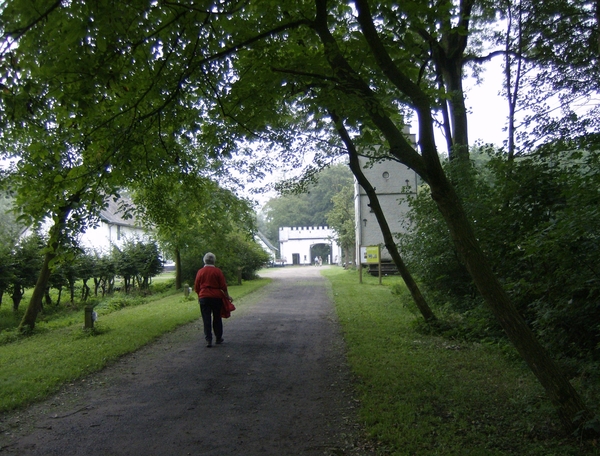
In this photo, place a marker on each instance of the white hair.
(210, 258)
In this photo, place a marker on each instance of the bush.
(162, 287)
(233, 251)
(538, 220)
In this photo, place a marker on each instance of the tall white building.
(393, 183)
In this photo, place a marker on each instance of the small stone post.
(89, 317)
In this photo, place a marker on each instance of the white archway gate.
(295, 244)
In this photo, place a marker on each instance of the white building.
(271, 250)
(114, 229)
(296, 244)
(393, 183)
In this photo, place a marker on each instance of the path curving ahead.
(279, 385)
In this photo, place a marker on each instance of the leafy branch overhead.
(96, 98)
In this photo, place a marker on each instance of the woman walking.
(211, 287)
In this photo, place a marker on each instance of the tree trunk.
(388, 237)
(72, 291)
(35, 303)
(571, 410)
(451, 70)
(85, 292)
(56, 232)
(17, 296)
(513, 89)
(178, 284)
(47, 297)
(348, 255)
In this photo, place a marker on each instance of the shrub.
(538, 220)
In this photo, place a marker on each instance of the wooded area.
(148, 95)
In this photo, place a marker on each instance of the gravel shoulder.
(279, 385)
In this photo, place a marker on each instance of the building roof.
(264, 239)
(119, 212)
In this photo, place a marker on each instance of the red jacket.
(209, 282)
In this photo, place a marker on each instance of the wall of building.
(101, 238)
(393, 183)
(296, 242)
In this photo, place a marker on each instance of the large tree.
(89, 101)
(181, 208)
(275, 71)
(364, 69)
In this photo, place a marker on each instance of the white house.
(114, 229)
(296, 244)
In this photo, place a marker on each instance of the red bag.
(227, 307)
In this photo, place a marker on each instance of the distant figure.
(211, 287)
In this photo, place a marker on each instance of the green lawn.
(418, 394)
(425, 395)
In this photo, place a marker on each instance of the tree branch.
(18, 32)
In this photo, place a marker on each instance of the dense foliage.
(341, 220)
(538, 220)
(24, 261)
(136, 262)
(95, 97)
(238, 255)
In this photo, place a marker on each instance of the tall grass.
(424, 395)
(31, 368)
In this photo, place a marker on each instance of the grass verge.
(34, 367)
(425, 395)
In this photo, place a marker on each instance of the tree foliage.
(537, 216)
(341, 219)
(238, 255)
(137, 262)
(126, 105)
(25, 263)
(551, 69)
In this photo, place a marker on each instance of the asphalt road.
(279, 385)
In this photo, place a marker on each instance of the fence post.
(89, 317)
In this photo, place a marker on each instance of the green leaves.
(537, 218)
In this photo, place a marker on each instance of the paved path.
(279, 385)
